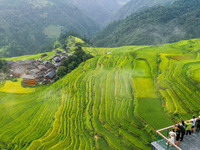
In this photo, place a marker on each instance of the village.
(34, 71)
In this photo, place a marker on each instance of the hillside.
(70, 41)
(134, 6)
(157, 25)
(112, 101)
(27, 26)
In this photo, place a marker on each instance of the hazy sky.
(122, 2)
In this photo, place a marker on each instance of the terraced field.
(112, 101)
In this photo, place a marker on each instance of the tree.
(4, 68)
(62, 71)
(72, 66)
(72, 62)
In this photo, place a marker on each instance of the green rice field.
(112, 101)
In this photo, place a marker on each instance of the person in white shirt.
(172, 136)
(193, 123)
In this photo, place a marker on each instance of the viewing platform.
(190, 142)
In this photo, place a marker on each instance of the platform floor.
(190, 142)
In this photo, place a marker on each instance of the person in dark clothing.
(183, 123)
(182, 130)
(178, 133)
(198, 124)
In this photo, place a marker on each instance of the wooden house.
(46, 62)
(56, 59)
(50, 75)
(42, 67)
(44, 55)
(29, 80)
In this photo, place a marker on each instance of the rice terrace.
(115, 100)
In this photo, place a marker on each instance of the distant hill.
(26, 26)
(157, 25)
(138, 5)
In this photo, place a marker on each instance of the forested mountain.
(26, 26)
(100, 11)
(138, 5)
(160, 24)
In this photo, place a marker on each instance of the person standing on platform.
(172, 136)
(189, 126)
(182, 129)
(178, 134)
(193, 123)
(198, 124)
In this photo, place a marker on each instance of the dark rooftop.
(42, 67)
(44, 55)
(28, 76)
(10, 62)
(50, 75)
(46, 62)
(57, 59)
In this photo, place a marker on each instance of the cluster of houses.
(35, 71)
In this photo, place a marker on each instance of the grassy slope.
(109, 102)
(37, 56)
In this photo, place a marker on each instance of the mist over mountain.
(100, 11)
(123, 2)
(157, 25)
(138, 5)
(28, 25)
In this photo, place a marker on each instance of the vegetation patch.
(53, 31)
(151, 110)
(144, 88)
(15, 87)
(141, 69)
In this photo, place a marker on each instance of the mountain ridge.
(157, 25)
(134, 6)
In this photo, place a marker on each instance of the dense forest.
(27, 26)
(157, 25)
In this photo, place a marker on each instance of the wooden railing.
(159, 132)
